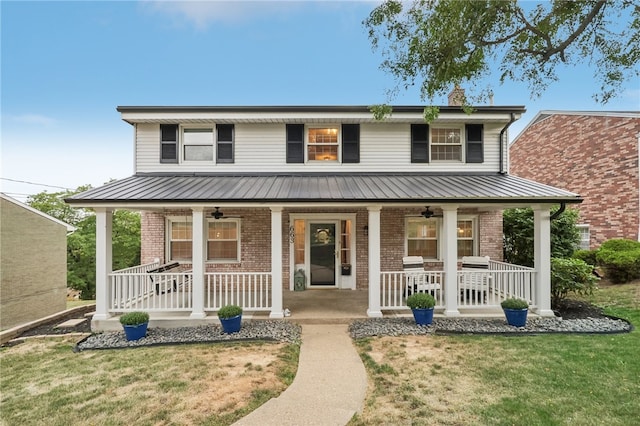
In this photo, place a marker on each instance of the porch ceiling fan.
(217, 214)
(428, 213)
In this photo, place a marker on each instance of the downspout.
(563, 207)
(502, 132)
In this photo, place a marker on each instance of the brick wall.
(256, 239)
(33, 264)
(594, 156)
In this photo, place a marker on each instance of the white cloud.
(34, 119)
(204, 13)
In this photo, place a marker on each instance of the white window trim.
(439, 229)
(238, 248)
(168, 227)
(176, 218)
(182, 144)
(338, 127)
(462, 142)
(583, 242)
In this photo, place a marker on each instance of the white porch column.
(450, 255)
(198, 260)
(542, 259)
(276, 263)
(374, 262)
(104, 263)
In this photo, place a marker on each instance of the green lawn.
(516, 380)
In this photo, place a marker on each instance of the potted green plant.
(135, 324)
(231, 318)
(515, 310)
(421, 305)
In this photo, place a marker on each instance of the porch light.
(366, 230)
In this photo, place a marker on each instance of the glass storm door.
(322, 253)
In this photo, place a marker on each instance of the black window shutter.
(224, 149)
(295, 143)
(419, 143)
(475, 148)
(350, 143)
(168, 143)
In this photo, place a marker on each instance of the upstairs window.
(446, 144)
(168, 143)
(198, 144)
(322, 144)
(224, 149)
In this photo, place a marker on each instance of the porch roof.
(147, 188)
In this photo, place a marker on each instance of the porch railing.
(476, 288)
(134, 289)
(250, 290)
(395, 286)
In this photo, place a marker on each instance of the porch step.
(321, 321)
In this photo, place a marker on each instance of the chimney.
(456, 96)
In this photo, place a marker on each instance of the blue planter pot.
(516, 317)
(231, 325)
(135, 332)
(423, 316)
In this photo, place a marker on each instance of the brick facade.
(594, 155)
(255, 237)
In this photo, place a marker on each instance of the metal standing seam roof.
(318, 187)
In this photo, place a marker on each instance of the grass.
(497, 380)
(44, 383)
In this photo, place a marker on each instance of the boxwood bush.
(620, 266)
(229, 311)
(134, 318)
(587, 256)
(421, 301)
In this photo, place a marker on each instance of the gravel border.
(407, 326)
(268, 330)
(290, 332)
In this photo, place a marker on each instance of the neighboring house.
(33, 263)
(594, 154)
(244, 197)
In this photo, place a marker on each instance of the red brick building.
(594, 154)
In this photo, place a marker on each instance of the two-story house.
(251, 201)
(593, 153)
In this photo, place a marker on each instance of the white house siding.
(384, 147)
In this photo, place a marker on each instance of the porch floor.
(313, 306)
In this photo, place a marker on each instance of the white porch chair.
(477, 279)
(417, 281)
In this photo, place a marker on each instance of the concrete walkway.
(330, 385)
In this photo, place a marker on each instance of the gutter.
(563, 207)
(502, 132)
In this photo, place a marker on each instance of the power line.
(38, 184)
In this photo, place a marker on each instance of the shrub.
(620, 245)
(518, 235)
(570, 275)
(134, 318)
(514, 303)
(587, 256)
(620, 266)
(421, 301)
(229, 311)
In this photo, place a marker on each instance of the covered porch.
(368, 216)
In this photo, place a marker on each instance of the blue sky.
(67, 65)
